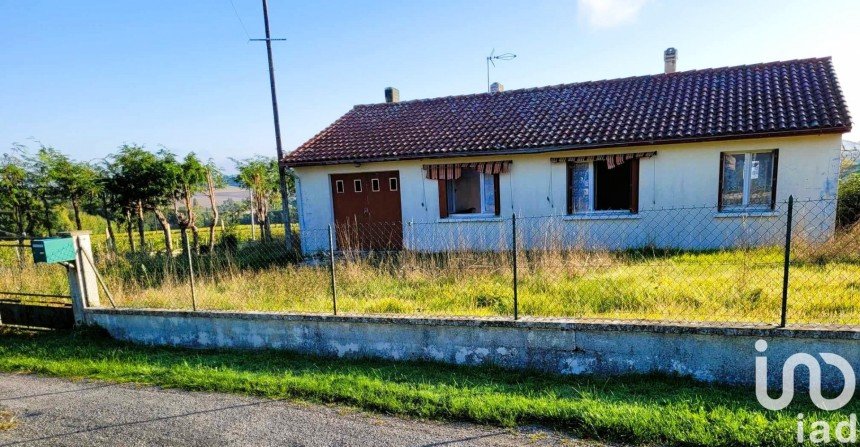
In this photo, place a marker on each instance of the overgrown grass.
(721, 286)
(737, 285)
(653, 410)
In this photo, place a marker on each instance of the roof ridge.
(598, 81)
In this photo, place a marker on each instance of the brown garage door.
(367, 211)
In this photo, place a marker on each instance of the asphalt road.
(58, 412)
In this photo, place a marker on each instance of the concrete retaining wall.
(711, 354)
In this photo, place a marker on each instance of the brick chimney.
(496, 87)
(670, 57)
(392, 94)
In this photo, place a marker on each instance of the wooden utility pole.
(282, 170)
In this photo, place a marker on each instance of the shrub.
(229, 241)
(848, 206)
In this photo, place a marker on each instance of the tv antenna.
(496, 57)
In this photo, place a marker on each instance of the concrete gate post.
(83, 283)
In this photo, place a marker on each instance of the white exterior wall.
(679, 176)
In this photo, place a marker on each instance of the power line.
(236, 11)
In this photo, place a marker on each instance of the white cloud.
(609, 13)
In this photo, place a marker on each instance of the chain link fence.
(788, 265)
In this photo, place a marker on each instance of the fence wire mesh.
(690, 265)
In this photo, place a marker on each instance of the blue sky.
(87, 76)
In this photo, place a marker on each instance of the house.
(693, 159)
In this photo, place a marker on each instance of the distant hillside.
(850, 152)
(231, 180)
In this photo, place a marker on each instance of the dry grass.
(727, 286)
(739, 285)
(7, 420)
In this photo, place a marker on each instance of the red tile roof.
(772, 99)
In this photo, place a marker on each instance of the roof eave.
(555, 148)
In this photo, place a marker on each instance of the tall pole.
(282, 170)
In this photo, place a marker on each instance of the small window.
(593, 186)
(357, 185)
(747, 180)
(473, 193)
(392, 184)
(374, 185)
(338, 186)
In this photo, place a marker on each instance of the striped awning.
(612, 160)
(452, 171)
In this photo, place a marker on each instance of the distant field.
(155, 238)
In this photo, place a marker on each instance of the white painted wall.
(679, 177)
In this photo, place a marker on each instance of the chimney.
(670, 57)
(392, 94)
(496, 87)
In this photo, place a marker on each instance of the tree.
(21, 208)
(848, 204)
(107, 206)
(214, 179)
(260, 175)
(143, 181)
(66, 179)
(190, 179)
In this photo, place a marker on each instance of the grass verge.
(652, 410)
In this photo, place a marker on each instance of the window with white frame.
(748, 180)
(473, 193)
(594, 186)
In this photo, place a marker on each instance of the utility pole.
(282, 170)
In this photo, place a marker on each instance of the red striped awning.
(452, 171)
(612, 160)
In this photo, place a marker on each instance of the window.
(374, 184)
(748, 180)
(473, 193)
(592, 186)
(357, 185)
(338, 186)
(392, 184)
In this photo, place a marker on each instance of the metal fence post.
(786, 262)
(191, 273)
(331, 269)
(514, 248)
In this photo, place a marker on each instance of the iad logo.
(845, 431)
(814, 369)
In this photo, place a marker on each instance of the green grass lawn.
(647, 410)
